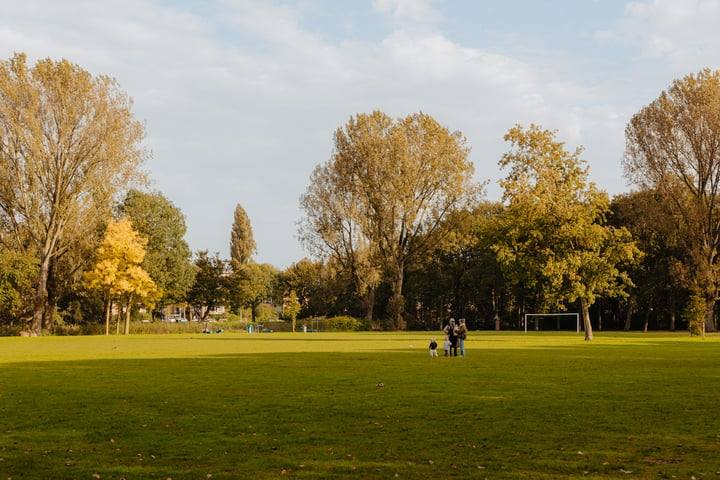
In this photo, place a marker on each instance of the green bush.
(165, 327)
(343, 323)
(80, 329)
(694, 314)
(264, 313)
(10, 330)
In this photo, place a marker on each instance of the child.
(433, 348)
(447, 345)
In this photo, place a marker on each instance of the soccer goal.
(553, 321)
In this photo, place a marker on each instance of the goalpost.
(576, 315)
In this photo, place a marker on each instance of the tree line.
(399, 233)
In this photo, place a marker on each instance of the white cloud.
(683, 33)
(401, 11)
(241, 104)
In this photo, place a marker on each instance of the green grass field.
(309, 406)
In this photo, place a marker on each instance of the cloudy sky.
(241, 97)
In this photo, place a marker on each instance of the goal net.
(552, 321)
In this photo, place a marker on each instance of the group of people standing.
(455, 335)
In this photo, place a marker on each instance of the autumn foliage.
(117, 271)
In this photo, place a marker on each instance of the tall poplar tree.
(242, 243)
(68, 145)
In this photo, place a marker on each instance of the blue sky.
(241, 97)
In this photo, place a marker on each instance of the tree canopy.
(17, 271)
(210, 288)
(253, 284)
(242, 243)
(117, 270)
(68, 145)
(306, 280)
(168, 256)
(393, 219)
(552, 238)
(381, 198)
(673, 148)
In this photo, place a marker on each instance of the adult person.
(450, 331)
(461, 332)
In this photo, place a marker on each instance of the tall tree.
(552, 235)
(242, 244)
(292, 308)
(117, 271)
(674, 143)
(394, 182)
(68, 145)
(461, 277)
(305, 279)
(210, 288)
(332, 229)
(253, 285)
(661, 277)
(168, 257)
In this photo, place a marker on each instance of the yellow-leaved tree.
(292, 307)
(69, 144)
(672, 149)
(117, 271)
(552, 239)
(381, 200)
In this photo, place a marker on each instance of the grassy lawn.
(299, 405)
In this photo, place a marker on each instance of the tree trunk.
(48, 316)
(396, 307)
(51, 297)
(40, 298)
(710, 315)
(127, 314)
(586, 319)
(672, 318)
(369, 305)
(494, 307)
(647, 319)
(628, 317)
(108, 309)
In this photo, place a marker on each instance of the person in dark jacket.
(433, 348)
(461, 333)
(450, 331)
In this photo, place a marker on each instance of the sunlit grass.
(533, 405)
